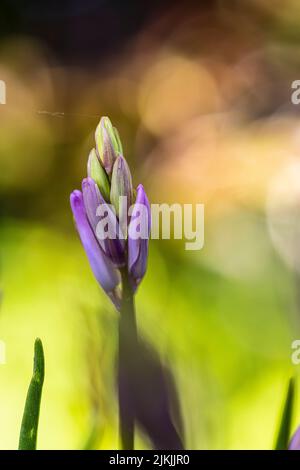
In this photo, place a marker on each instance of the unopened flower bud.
(121, 192)
(97, 172)
(104, 223)
(102, 267)
(108, 144)
(118, 141)
(138, 236)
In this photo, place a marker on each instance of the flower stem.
(128, 344)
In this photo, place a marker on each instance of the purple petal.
(103, 270)
(138, 248)
(92, 200)
(138, 269)
(113, 247)
(295, 441)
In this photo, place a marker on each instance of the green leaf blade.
(283, 436)
(30, 421)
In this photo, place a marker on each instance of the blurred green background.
(200, 93)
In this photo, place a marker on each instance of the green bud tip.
(97, 172)
(118, 140)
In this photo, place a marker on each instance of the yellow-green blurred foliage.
(203, 108)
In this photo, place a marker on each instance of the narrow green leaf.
(30, 421)
(283, 436)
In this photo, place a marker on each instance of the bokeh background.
(201, 95)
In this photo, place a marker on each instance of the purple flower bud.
(103, 269)
(295, 441)
(104, 223)
(101, 214)
(138, 236)
(121, 192)
(92, 199)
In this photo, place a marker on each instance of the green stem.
(128, 343)
(30, 421)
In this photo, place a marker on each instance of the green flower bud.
(97, 172)
(118, 140)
